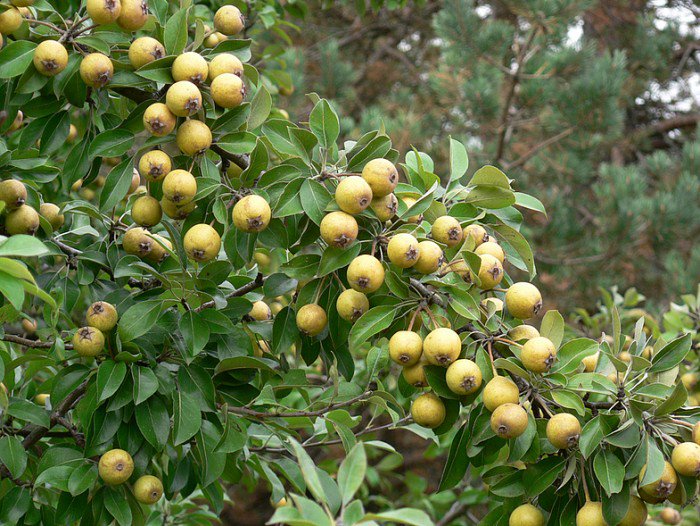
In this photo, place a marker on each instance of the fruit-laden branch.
(258, 282)
(34, 344)
(244, 411)
(428, 293)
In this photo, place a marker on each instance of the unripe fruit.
(428, 410)
(14, 193)
(146, 211)
(591, 514)
(148, 489)
(88, 341)
(175, 210)
(538, 354)
(353, 194)
(509, 421)
(102, 316)
(365, 273)
(463, 377)
(22, 220)
(591, 362)
(311, 319)
(115, 467)
(180, 187)
(190, 66)
(523, 332)
(351, 304)
(523, 300)
(251, 214)
(563, 431)
(145, 50)
(446, 230)
(385, 207)
(492, 249)
(136, 241)
(225, 63)
(10, 20)
(415, 374)
(183, 98)
(430, 257)
(526, 515)
(670, 516)
(409, 202)
(193, 137)
(133, 15)
(381, 175)
(103, 11)
(442, 346)
(202, 243)
(155, 165)
(500, 390)
(159, 120)
(636, 513)
(477, 232)
(260, 311)
(228, 90)
(229, 20)
(96, 70)
(406, 347)
(686, 459)
(339, 229)
(490, 272)
(661, 488)
(41, 398)
(158, 253)
(50, 58)
(403, 250)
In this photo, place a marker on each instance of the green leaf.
(335, 258)
(543, 474)
(570, 400)
(527, 201)
(516, 240)
(12, 289)
(175, 33)
(110, 376)
(28, 412)
(410, 516)
(553, 327)
(15, 58)
(591, 435)
(117, 184)
(82, 478)
(260, 108)
(489, 176)
(352, 471)
(675, 401)
(187, 418)
(13, 455)
(153, 421)
(609, 470)
(370, 323)
(145, 384)
(459, 160)
(195, 331)
(315, 197)
(22, 246)
(457, 461)
(111, 143)
(115, 500)
(671, 354)
(324, 123)
(139, 318)
(655, 463)
(308, 470)
(572, 352)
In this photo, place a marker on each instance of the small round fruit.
(311, 319)
(381, 175)
(523, 332)
(661, 488)
(430, 257)
(351, 304)
(696, 433)
(446, 230)
(403, 250)
(492, 249)
(339, 229)
(686, 459)
(365, 273)
(409, 202)
(29, 326)
(133, 15)
(229, 20)
(252, 214)
(148, 489)
(509, 421)
(10, 20)
(442, 346)
(190, 66)
(490, 272)
(159, 120)
(353, 194)
(591, 514)
(155, 165)
(260, 311)
(145, 50)
(463, 377)
(135, 182)
(41, 398)
(177, 211)
(202, 243)
(13, 193)
(636, 513)
(406, 347)
(180, 187)
(158, 252)
(103, 11)
(50, 58)
(670, 516)
(690, 380)
(526, 515)
(590, 362)
(96, 70)
(183, 98)
(22, 220)
(88, 341)
(225, 63)
(193, 137)
(385, 207)
(500, 390)
(72, 134)
(428, 410)
(478, 234)
(115, 467)
(563, 431)
(146, 211)
(136, 241)
(228, 90)
(214, 40)
(415, 375)
(102, 316)
(523, 300)
(538, 354)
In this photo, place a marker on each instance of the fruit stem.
(489, 347)
(413, 318)
(319, 290)
(432, 318)
(585, 483)
(506, 340)
(340, 282)
(681, 423)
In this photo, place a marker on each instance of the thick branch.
(34, 344)
(242, 161)
(241, 291)
(428, 293)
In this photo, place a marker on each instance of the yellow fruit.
(17, 123)
(500, 390)
(339, 229)
(148, 489)
(177, 211)
(202, 243)
(50, 58)
(251, 214)
(29, 326)
(155, 165)
(102, 316)
(636, 513)
(625, 356)
(225, 63)
(22, 220)
(526, 515)
(661, 488)
(365, 273)
(133, 15)
(214, 40)
(353, 194)
(385, 207)
(229, 20)
(430, 257)
(145, 50)
(491, 305)
(88, 341)
(686, 459)
(405, 347)
(670, 516)
(13, 193)
(158, 252)
(159, 120)
(103, 11)
(509, 421)
(591, 362)
(228, 90)
(415, 375)
(409, 202)
(490, 272)
(190, 66)
(41, 398)
(381, 175)
(463, 377)
(10, 20)
(311, 319)
(538, 354)
(193, 137)
(446, 230)
(478, 234)
(696, 433)
(523, 300)
(135, 182)
(183, 98)
(403, 250)
(492, 249)
(72, 134)
(690, 380)
(351, 304)
(523, 332)
(96, 70)
(260, 311)
(180, 187)
(146, 211)
(563, 431)
(115, 467)
(137, 241)
(591, 514)
(428, 410)
(442, 346)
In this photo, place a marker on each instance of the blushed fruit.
(477, 233)
(22, 220)
(260, 311)
(385, 207)
(636, 513)
(446, 229)
(442, 346)
(50, 58)
(430, 257)
(403, 250)
(563, 431)
(175, 210)
(183, 98)
(509, 421)
(225, 63)
(381, 175)
(102, 316)
(311, 319)
(670, 516)
(365, 273)
(14, 193)
(146, 211)
(190, 66)
(406, 347)
(96, 70)
(180, 187)
(159, 120)
(415, 374)
(686, 459)
(88, 341)
(252, 214)
(538, 354)
(133, 15)
(523, 300)
(661, 488)
(428, 410)
(193, 137)
(351, 304)
(339, 229)
(591, 514)
(591, 362)
(353, 194)
(10, 20)
(137, 242)
(523, 332)
(463, 377)
(202, 243)
(145, 50)
(115, 467)
(229, 20)
(409, 202)
(526, 515)
(490, 272)
(500, 390)
(103, 11)
(158, 251)
(228, 90)
(148, 489)
(492, 249)
(155, 165)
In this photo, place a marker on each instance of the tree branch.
(428, 293)
(258, 282)
(244, 411)
(241, 161)
(34, 344)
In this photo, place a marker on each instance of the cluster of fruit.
(116, 467)
(101, 318)
(19, 217)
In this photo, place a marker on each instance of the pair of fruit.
(182, 99)
(116, 467)
(441, 346)
(128, 14)
(138, 241)
(101, 317)
(591, 513)
(22, 218)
